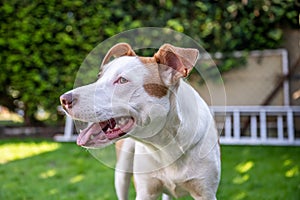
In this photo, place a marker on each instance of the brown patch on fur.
(194, 188)
(156, 90)
(119, 145)
(153, 84)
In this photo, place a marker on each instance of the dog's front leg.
(147, 188)
(122, 183)
(124, 168)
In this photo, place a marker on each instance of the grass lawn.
(38, 169)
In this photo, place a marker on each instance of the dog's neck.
(174, 140)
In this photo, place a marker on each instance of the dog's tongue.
(86, 134)
(104, 132)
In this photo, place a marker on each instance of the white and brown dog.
(166, 134)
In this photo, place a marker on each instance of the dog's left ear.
(120, 49)
(175, 62)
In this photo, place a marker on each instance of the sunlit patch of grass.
(77, 178)
(16, 151)
(240, 195)
(244, 167)
(294, 171)
(240, 179)
(47, 174)
(70, 172)
(287, 162)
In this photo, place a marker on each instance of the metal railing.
(255, 125)
(258, 125)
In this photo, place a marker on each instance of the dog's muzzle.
(98, 134)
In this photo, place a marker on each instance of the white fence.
(258, 125)
(255, 125)
(68, 135)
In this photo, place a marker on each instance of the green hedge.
(44, 42)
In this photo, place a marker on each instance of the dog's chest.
(173, 181)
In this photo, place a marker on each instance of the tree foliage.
(44, 42)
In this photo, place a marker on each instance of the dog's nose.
(67, 100)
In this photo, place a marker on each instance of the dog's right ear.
(120, 49)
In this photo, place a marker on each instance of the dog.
(164, 132)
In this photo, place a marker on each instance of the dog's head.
(131, 96)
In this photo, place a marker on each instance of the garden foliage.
(44, 42)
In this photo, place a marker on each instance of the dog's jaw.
(103, 133)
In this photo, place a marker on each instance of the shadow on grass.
(65, 171)
(39, 169)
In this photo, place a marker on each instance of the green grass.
(37, 169)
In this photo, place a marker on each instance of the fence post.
(228, 127)
(253, 130)
(263, 125)
(236, 125)
(290, 126)
(68, 135)
(280, 127)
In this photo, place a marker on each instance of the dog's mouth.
(100, 133)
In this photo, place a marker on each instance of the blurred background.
(255, 44)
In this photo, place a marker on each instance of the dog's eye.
(121, 80)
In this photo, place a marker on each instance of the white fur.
(173, 147)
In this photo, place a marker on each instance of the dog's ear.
(120, 49)
(175, 62)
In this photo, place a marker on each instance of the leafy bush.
(43, 43)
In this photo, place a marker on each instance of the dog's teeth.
(92, 137)
(121, 121)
